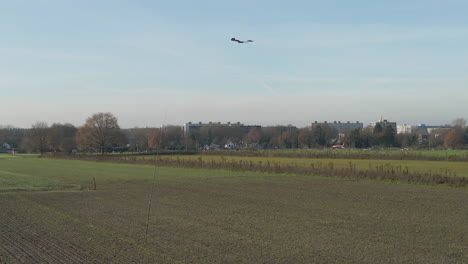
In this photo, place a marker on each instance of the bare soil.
(249, 218)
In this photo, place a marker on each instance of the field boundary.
(426, 155)
(340, 154)
(383, 172)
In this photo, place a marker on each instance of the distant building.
(423, 131)
(338, 147)
(404, 129)
(339, 126)
(419, 129)
(431, 129)
(384, 124)
(5, 148)
(212, 147)
(188, 127)
(230, 145)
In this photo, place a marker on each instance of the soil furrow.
(50, 249)
(19, 251)
(95, 249)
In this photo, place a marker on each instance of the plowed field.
(219, 216)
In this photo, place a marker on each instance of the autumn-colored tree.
(454, 138)
(253, 137)
(436, 137)
(156, 138)
(100, 131)
(168, 137)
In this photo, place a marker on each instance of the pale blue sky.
(155, 62)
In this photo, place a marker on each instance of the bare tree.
(169, 137)
(323, 134)
(288, 139)
(305, 137)
(100, 131)
(454, 138)
(174, 136)
(36, 139)
(406, 139)
(459, 122)
(68, 144)
(436, 137)
(388, 136)
(253, 137)
(354, 138)
(138, 138)
(157, 138)
(273, 136)
(62, 137)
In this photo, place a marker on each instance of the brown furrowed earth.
(220, 216)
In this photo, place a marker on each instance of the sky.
(154, 63)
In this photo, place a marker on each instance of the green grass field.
(50, 214)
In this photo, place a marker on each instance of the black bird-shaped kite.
(241, 41)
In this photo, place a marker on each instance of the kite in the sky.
(241, 41)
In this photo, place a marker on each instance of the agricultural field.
(378, 154)
(383, 154)
(50, 213)
(389, 152)
(421, 166)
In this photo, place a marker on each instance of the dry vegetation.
(365, 154)
(347, 168)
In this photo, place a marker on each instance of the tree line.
(102, 133)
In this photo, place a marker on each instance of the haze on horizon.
(155, 62)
